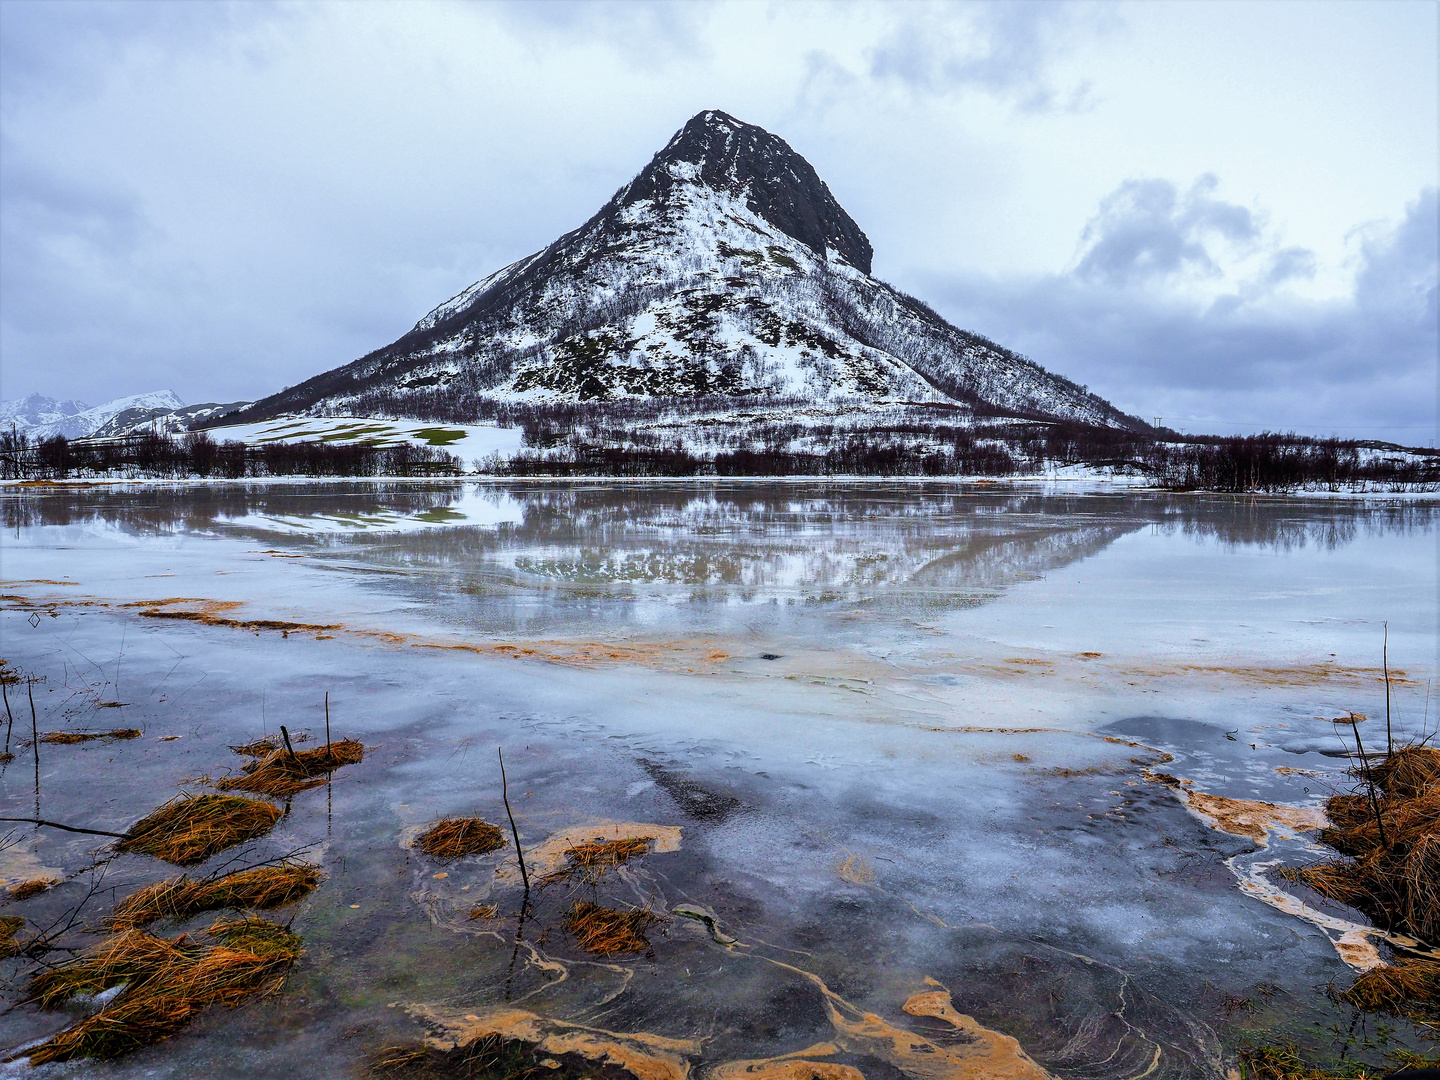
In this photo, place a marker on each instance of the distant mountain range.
(726, 267)
(40, 417)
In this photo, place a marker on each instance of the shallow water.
(903, 730)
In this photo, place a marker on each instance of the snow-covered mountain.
(164, 421)
(42, 417)
(725, 267)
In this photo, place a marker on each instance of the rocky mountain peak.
(718, 151)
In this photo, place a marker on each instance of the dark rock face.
(776, 183)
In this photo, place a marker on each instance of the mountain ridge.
(725, 267)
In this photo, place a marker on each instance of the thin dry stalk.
(453, 838)
(608, 932)
(189, 829)
(284, 772)
(180, 898)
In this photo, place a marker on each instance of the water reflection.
(473, 546)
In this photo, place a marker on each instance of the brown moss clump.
(189, 829)
(24, 890)
(9, 926)
(70, 737)
(281, 773)
(589, 861)
(606, 931)
(179, 898)
(167, 983)
(452, 838)
(492, 1057)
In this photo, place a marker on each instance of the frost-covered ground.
(903, 729)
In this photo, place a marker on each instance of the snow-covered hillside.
(726, 267)
(41, 417)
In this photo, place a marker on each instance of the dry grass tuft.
(167, 983)
(492, 1057)
(606, 931)
(1398, 988)
(24, 890)
(9, 926)
(69, 737)
(258, 748)
(189, 829)
(179, 898)
(452, 838)
(590, 860)
(281, 773)
(485, 911)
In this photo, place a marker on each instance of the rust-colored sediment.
(1251, 818)
(793, 1066)
(648, 1057)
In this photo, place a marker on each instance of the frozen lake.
(904, 736)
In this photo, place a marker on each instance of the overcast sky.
(1221, 214)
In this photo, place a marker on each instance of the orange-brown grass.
(167, 983)
(179, 898)
(1397, 882)
(189, 829)
(1404, 988)
(452, 838)
(9, 926)
(590, 860)
(485, 911)
(69, 737)
(258, 748)
(606, 931)
(24, 890)
(281, 773)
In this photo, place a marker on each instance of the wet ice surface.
(878, 714)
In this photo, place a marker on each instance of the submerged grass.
(589, 861)
(10, 925)
(489, 1058)
(282, 773)
(452, 838)
(189, 829)
(1283, 1062)
(69, 737)
(180, 898)
(606, 931)
(24, 890)
(167, 983)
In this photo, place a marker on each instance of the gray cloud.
(1362, 364)
(1005, 49)
(1147, 229)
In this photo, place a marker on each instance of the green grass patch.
(436, 436)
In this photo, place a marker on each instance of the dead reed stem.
(505, 794)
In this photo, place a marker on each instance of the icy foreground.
(726, 267)
(881, 734)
